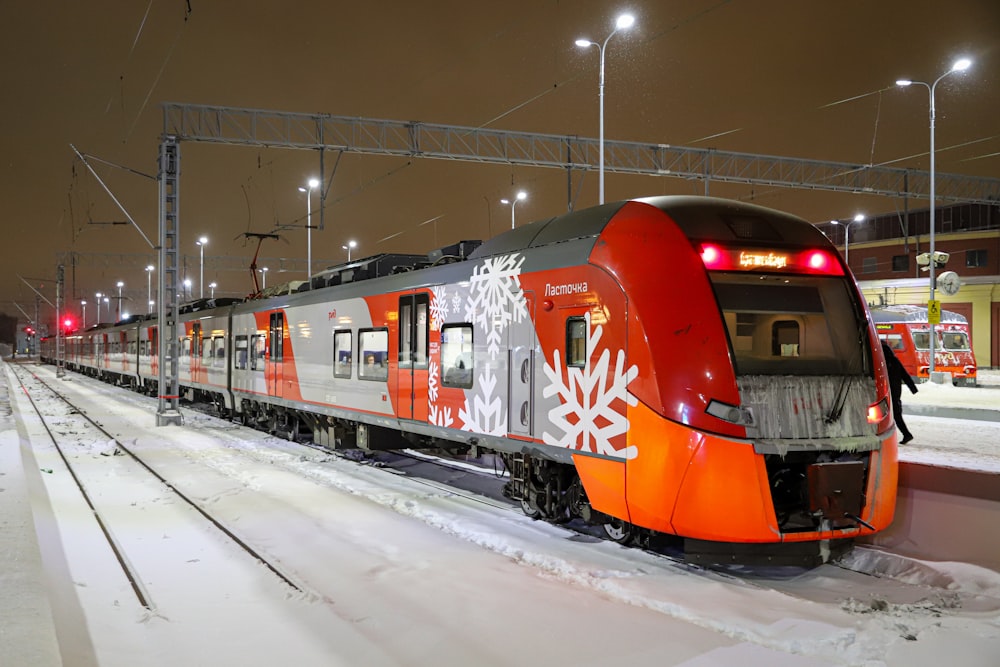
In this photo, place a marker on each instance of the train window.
(373, 354)
(921, 340)
(219, 351)
(342, 347)
(258, 347)
(240, 360)
(894, 341)
(456, 356)
(780, 324)
(955, 340)
(576, 342)
(785, 338)
(206, 352)
(186, 347)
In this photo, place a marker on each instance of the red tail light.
(878, 411)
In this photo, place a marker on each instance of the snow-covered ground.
(396, 571)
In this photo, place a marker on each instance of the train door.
(411, 392)
(521, 369)
(273, 370)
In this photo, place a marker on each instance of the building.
(883, 250)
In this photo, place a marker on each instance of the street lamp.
(212, 286)
(118, 310)
(521, 196)
(107, 303)
(263, 273)
(313, 184)
(351, 245)
(187, 289)
(960, 65)
(847, 235)
(202, 242)
(83, 305)
(98, 297)
(624, 22)
(149, 287)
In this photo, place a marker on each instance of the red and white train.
(906, 330)
(673, 365)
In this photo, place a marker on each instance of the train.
(906, 330)
(689, 368)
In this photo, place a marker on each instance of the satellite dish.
(949, 282)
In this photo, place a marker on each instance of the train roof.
(908, 313)
(698, 217)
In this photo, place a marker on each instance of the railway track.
(69, 428)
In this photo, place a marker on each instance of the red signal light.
(821, 261)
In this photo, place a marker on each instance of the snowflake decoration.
(496, 298)
(587, 413)
(440, 417)
(486, 413)
(433, 375)
(439, 306)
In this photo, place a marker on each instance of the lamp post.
(313, 184)
(202, 242)
(212, 287)
(118, 310)
(98, 297)
(149, 288)
(263, 273)
(351, 245)
(624, 22)
(187, 289)
(847, 235)
(521, 196)
(960, 65)
(83, 306)
(107, 303)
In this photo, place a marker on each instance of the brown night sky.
(745, 75)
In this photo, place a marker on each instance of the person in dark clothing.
(897, 376)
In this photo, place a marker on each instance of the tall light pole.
(98, 297)
(624, 22)
(149, 288)
(521, 196)
(960, 65)
(118, 310)
(313, 184)
(212, 287)
(107, 303)
(202, 242)
(847, 235)
(263, 273)
(187, 289)
(351, 245)
(83, 306)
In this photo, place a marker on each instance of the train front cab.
(763, 417)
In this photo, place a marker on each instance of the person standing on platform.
(897, 376)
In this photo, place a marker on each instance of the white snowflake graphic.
(456, 302)
(439, 306)
(440, 417)
(496, 298)
(486, 414)
(587, 414)
(433, 376)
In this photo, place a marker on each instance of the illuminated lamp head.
(712, 256)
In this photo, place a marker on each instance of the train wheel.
(530, 509)
(620, 531)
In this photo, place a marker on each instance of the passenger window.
(342, 347)
(785, 338)
(456, 356)
(576, 342)
(240, 360)
(373, 353)
(258, 345)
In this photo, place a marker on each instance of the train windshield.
(794, 325)
(948, 340)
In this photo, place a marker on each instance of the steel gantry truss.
(277, 129)
(227, 125)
